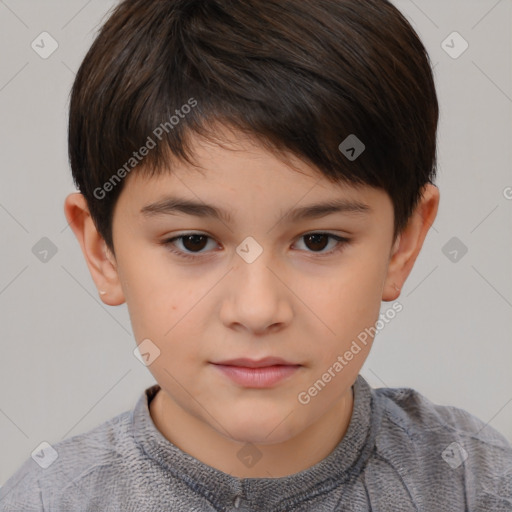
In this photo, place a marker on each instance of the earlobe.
(100, 262)
(409, 243)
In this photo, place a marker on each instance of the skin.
(292, 302)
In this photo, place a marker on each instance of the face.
(256, 279)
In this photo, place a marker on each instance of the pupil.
(315, 238)
(194, 238)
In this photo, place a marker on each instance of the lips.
(261, 373)
(260, 363)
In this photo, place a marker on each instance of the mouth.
(262, 373)
(257, 363)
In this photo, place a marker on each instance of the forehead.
(236, 172)
(230, 158)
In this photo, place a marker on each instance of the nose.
(255, 296)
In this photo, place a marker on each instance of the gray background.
(66, 360)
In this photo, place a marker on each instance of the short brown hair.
(298, 75)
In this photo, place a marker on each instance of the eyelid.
(169, 244)
(342, 241)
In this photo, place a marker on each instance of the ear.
(101, 262)
(408, 244)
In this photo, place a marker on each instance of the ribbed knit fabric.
(400, 453)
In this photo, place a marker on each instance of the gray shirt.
(401, 452)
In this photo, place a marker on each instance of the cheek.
(350, 302)
(154, 316)
(168, 310)
(154, 295)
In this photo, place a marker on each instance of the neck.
(296, 454)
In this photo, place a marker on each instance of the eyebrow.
(176, 205)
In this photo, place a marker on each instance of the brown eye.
(192, 245)
(189, 245)
(317, 241)
(194, 242)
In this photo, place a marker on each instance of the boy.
(312, 127)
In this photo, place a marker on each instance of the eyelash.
(342, 242)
